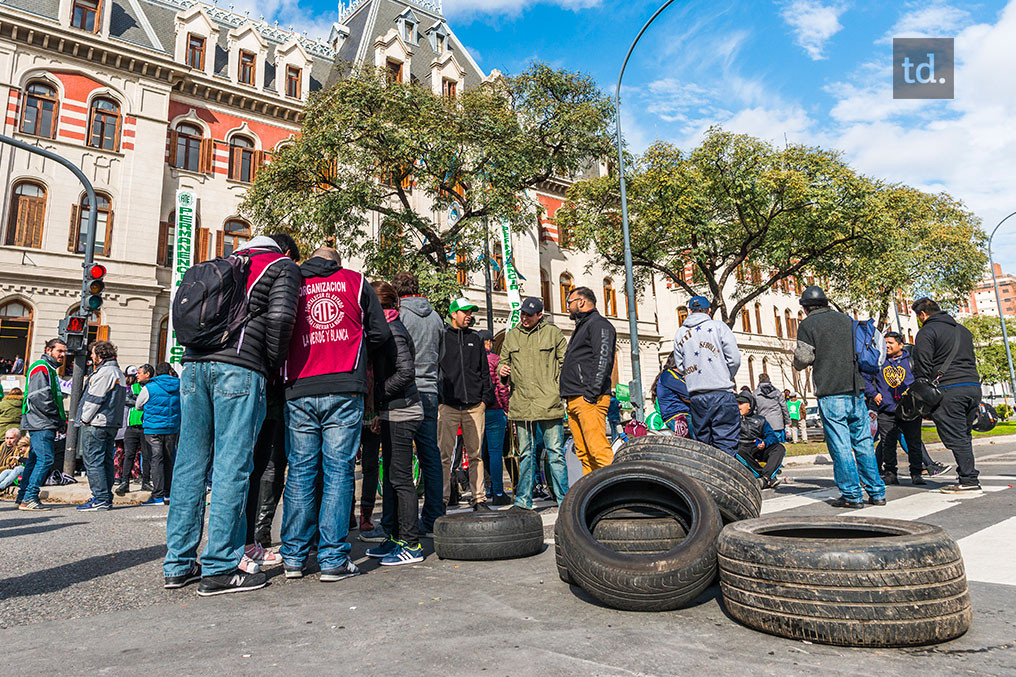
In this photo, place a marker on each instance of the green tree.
(369, 149)
(989, 348)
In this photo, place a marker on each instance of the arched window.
(745, 321)
(765, 365)
(103, 225)
(497, 265)
(104, 125)
(779, 325)
(188, 149)
(545, 289)
(243, 159)
(758, 318)
(234, 235)
(28, 213)
(15, 330)
(566, 285)
(40, 111)
(609, 298)
(160, 350)
(791, 325)
(751, 372)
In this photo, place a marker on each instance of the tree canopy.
(370, 148)
(992, 364)
(736, 216)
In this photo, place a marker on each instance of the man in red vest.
(339, 321)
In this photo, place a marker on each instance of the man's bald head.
(327, 253)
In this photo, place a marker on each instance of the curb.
(824, 459)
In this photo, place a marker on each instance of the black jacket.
(395, 371)
(265, 338)
(464, 380)
(825, 342)
(931, 349)
(589, 360)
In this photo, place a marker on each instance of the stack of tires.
(641, 534)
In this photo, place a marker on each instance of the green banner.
(511, 277)
(183, 254)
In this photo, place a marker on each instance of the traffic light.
(73, 330)
(93, 297)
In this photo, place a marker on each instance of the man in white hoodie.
(706, 353)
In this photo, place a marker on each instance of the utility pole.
(75, 340)
(1001, 315)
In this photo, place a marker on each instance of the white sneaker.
(262, 557)
(248, 566)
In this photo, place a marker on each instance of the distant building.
(982, 298)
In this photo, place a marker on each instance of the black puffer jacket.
(395, 371)
(265, 339)
(932, 346)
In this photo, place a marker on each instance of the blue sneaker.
(94, 505)
(403, 555)
(346, 570)
(389, 546)
(155, 501)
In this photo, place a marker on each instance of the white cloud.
(929, 19)
(813, 23)
(511, 7)
(301, 17)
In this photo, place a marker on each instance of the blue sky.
(808, 71)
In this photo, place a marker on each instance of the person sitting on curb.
(759, 442)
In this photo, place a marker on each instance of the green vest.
(795, 409)
(135, 416)
(54, 387)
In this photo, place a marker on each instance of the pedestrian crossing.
(987, 554)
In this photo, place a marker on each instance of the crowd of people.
(12, 366)
(328, 367)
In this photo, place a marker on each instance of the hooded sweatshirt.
(427, 331)
(707, 354)
(892, 380)
(771, 405)
(931, 349)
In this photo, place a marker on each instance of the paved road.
(82, 593)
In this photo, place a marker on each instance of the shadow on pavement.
(65, 575)
(36, 529)
(8, 524)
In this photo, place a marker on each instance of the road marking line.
(916, 506)
(987, 554)
(797, 500)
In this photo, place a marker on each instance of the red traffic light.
(95, 271)
(76, 324)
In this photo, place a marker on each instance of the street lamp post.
(998, 301)
(635, 389)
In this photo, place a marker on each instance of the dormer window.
(85, 15)
(394, 71)
(294, 77)
(410, 32)
(246, 73)
(440, 44)
(196, 51)
(448, 89)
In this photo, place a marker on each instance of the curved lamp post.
(998, 301)
(635, 389)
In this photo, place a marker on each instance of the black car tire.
(639, 582)
(863, 582)
(495, 534)
(735, 489)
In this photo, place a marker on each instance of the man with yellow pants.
(585, 379)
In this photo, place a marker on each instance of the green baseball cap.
(462, 303)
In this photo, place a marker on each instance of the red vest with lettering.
(328, 331)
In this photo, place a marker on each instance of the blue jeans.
(716, 419)
(40, 461)
(7, 477)
(552, 432)
(222, 407)
(97, 447)
(493, 431)
(848, 438)
(323, 434)
(429, 456)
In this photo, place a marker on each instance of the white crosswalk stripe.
(781, 503)
(987, 554)
(916, 506)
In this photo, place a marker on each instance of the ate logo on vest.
(324, 312)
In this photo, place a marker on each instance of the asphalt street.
(82, 593)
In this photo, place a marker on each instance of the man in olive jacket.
(531, 357)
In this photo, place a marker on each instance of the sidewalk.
(823, 459)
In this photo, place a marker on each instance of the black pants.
(273, 481)
(954, 419)
(370, 455)
(771, 455)
(271, 436)
(134, 440)
(890, 427)
(163, 451)
(399, 505)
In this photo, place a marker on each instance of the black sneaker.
(237, 581)
(843, 502)
(890, 478)
(292, 570)
(482, 507)
(346, 570)
(961, 489)
(183, 579)
(936, 469)
(876, 501)
(122, 489)
(500, 499)
(147, 486)
(917, 480)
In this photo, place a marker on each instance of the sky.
(816, 72)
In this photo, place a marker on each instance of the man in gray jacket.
(42, 415)
(706, 353)
(427, 331)
(100, 415)
(771, 405)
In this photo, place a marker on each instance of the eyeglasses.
(574, 299)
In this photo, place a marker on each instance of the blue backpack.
(869, 347)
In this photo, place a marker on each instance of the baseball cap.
(131, 371)
(532, 306)
(462, 303)
(698, 303)
(485, 335)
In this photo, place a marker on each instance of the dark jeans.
(273, 479)
(98, 445)
(271, 436)
(163, 449)
(954, 419)
(40, 460)
(890, 428)
(716, 419)
(398, 494)
(370, 455)
(135, 440)
(771, 455)
(429, 456)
